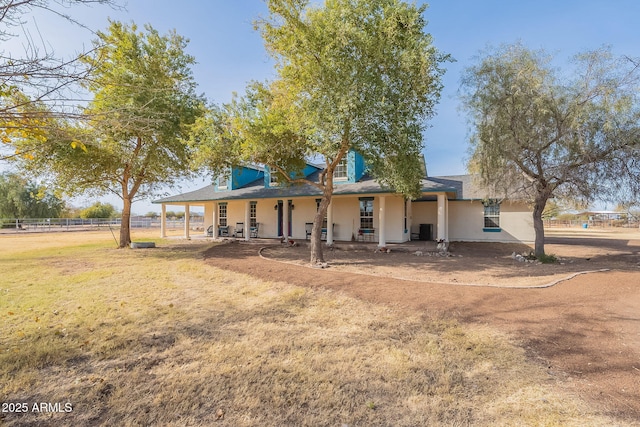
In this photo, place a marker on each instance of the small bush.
(548, 259)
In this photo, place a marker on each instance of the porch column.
(187, 220)
(442, 218)
(163, 221)
(409, 217)
(382, 238)
(214, 221)
(285, 219)
(330, 224)
(247, 218)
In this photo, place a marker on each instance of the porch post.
(214, 221)
(442, 217)
(187, 214)
(382, 238)
(285, 220)
(247, 218)
(163, 221)
(409, 216)
(330, 224)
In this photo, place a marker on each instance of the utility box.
(426, 232)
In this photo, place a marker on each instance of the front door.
(281, 217)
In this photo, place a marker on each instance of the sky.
(230, 53)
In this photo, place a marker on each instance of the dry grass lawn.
(157, 337)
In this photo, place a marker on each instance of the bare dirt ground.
(585, 330)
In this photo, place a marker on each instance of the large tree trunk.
(125, 229)
(538, 225)
(317, 255)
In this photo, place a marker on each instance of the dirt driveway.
(585, 330)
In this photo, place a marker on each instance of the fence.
(598, 223)
(14, 225)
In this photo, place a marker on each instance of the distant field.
(157, 337)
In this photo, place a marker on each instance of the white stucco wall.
(466, 222)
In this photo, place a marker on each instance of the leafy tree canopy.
(99, 210)
(352, 74)
(20, 198)
(134, 139)
(542, 135)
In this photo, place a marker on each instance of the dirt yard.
(585, 328)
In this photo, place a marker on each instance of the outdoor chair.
(223, 231)
(323, 234)
(253, 231)
(366, 234)
(239, 231)
(308, 226)
(210, 231)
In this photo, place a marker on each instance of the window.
(222, 214)
(492, 215)
(366, 212)
(222, 183)
(273, 177)
(252, 214)
(340, 173)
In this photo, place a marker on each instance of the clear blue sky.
(230, 53)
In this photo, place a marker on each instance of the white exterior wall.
(466, 222)
(424, 213)
(465, 218)
(394, 220)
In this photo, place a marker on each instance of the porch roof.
(257, 190)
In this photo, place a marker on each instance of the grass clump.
(160, 337)
(548, 259)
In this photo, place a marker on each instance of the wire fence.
(44, 225)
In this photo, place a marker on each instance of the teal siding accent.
(359, 166)
(241, 176)
(492, 230)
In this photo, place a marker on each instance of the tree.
(142, 108)
(359, 75)
(32, 82)
(20, 198)
(98, 210)
(539, 136)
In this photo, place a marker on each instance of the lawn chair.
(308, 226)
(223, 230)
(253, 231)
(239, 232)
(210, 231)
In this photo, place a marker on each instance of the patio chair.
(308, 226)
(323, 234)
(253, 231)
(239, 231)
(210, 231)
(223, 230)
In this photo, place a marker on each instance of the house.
(250, 202)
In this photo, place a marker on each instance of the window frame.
(366, 215)
(491, 216)
(341, 172)
(222, 214)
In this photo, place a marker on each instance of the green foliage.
(359, 75)
(545, 137)
(547, 258)
(99, 210)
(143, 106)
(20, 198)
